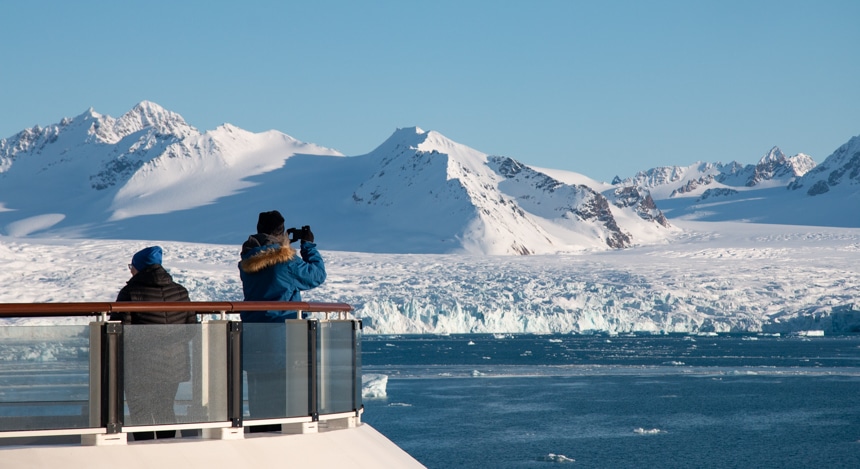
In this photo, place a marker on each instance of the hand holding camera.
(304, 234)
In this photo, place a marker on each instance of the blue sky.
(602, 88)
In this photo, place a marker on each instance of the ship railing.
(66, 377)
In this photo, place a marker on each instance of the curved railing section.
(219, 378)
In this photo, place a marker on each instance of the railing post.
(112, 378)
(313, 369)
(234, 373)
(356, 364)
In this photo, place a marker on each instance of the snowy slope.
(432, 189)
(76, 176)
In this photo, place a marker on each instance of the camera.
(295, 234)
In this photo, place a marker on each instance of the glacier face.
(714, 277)
(780, 279)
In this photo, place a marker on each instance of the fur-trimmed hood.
(266, 256)
(273, 271)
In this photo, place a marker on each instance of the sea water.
(531, 401)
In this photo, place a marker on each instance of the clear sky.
(602, 88)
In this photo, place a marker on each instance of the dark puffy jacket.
(271, 271)
(153, 284)
(157, 354)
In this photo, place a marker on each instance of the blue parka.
(271, 271)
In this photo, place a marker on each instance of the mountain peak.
(410, 130)
(773, 156)
(406, 138)
(147, 114)
(411, 136)
(89, 114)
(148, 108)
(150, 114)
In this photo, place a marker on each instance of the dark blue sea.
(540, 401)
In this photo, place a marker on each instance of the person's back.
(157, 358)
(155, 284)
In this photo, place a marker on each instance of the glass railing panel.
(208, 386)
(44, 377)
(336, 356)
(276, 368)
(175, 373)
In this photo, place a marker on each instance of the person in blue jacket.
(271, 270)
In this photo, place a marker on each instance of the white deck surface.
(351, 448)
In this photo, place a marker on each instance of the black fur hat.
(270, 223)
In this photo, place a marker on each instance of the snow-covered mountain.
(840, 172)
(89, 173)
(148, 174)
(766, 192)
(774, 169)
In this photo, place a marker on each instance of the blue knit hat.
(146, 257)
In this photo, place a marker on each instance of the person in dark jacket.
(153, 371)
(271, 270)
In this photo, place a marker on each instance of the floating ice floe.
(374, 386)
(816, 333)
(552, 457)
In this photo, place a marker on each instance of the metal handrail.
(17, 310)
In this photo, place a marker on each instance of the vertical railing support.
(356, 364)
(234, 373)
(112, 378)
(313, 369)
